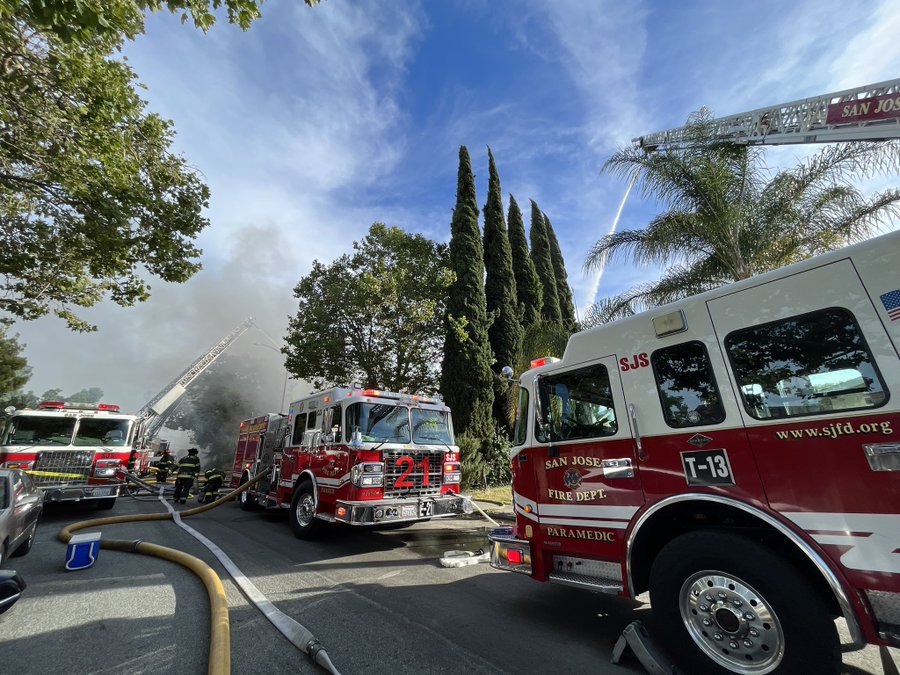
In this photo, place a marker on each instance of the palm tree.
(729, 218)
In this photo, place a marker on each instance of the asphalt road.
(379, 602)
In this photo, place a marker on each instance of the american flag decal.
(891, 302)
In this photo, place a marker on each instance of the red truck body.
(359, 457)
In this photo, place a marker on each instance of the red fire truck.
(736, 454)
(73, 451)
(353, 456)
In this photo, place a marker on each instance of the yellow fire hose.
(220, 638)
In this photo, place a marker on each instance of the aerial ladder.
(152, 417)
(867, 113)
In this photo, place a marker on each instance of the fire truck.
(72, 451)
(736, 454)
(354, 456)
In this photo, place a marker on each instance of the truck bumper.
(509, 553)
(400, 510)
(75, 493)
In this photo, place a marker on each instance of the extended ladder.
(867, 113)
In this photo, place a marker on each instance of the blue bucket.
(82, 551)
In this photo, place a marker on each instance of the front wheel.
(303, 512)
(726, 604)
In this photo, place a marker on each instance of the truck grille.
(54, 467)
(408, 468)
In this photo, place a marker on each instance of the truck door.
(587, 483)
(812, 368)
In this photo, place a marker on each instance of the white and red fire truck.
(737, 454)
(353, 456)
(73, 451)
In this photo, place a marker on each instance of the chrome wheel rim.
(731, 623)
(306, 509)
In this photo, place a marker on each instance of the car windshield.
(431, 426)
(38, 430)
(101, 431)
(378, 422)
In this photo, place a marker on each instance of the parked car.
(21, 504)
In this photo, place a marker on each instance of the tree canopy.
(466, 377)
(728, 217)
(14, 370)
(505, 332)
(529, 294)
(92, 200)
(373, 317)
(543, 265)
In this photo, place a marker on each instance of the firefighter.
(188, 468)
(214, 479)
(164, 467)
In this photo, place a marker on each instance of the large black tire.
(302, 516)
(725, 604)
(245, 500)
(26, 545)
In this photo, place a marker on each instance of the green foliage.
(79, 21)
(505, 333)
(485, 461)
(466, 377)
(212, 409)
(91, 197)
(14, 370)
(374, 317)
(730, 218)
(540, 254)
(563, 291)
(529, 294)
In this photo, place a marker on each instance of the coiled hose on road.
(220, 636)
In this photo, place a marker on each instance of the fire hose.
(220, 639)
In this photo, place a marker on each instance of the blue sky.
(316, 123)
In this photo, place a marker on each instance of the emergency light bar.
(400, 397)
(546, 360)
(61, 405)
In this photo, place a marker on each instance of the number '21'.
(410, 465)
(637, 361)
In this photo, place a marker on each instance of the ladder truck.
(152, 417)
(722, 452)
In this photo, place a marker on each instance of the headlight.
(367, 474)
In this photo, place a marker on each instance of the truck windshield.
(379, 422)
(98, 431)
(37, 430)
(431, 426)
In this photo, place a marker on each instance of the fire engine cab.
(737, 454)
(353, 456)
(73, 451)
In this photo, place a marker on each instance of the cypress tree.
(466, 377)
(505, 333)
(529, 296)
(563, 291)
(540, 254)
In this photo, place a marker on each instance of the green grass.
(502, 494)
